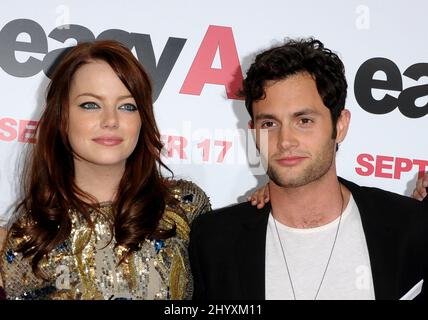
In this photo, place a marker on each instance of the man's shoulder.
(236, 210)
(230, 216)
(380, 196)
(389, 207)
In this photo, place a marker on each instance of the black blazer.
(227, 247)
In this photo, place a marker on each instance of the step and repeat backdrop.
(197, 52)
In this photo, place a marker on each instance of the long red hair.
(50, 190)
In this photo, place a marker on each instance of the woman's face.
(104, 123)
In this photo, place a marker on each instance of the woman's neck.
(101, 182)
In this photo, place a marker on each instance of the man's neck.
(311, 205)
(100, 182)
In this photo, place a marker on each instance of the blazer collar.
(378, 241)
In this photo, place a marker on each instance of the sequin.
(10, 256)
(86, 265)
(159, 244)
(37, 294)
(188, 198)
(62, 247)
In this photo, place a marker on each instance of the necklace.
(329, 257)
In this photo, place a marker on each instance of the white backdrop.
(197, 50)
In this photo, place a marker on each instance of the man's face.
(299, 126)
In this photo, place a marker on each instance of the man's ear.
(342, 125)
(250, 124)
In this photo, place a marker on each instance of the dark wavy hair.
(294, 57)
(49, 186)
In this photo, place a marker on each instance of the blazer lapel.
(251, 253)
(378, 243)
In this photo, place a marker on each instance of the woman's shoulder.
(18, 278)
(11, 240)
(191, 198)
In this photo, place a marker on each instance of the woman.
(97, 219)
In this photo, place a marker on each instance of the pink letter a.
(230, 74)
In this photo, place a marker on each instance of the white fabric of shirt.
(348, 276)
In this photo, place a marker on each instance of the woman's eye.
(89, 105)
(128, 107)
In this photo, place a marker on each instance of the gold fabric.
(86, 265)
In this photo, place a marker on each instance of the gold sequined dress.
(86, 265)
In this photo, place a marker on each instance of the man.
(321, 237)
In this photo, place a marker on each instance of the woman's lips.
(108, 141)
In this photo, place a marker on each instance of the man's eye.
(89, 105)
(128, 107)
(267, 124)
(305, 121)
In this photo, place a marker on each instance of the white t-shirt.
(307, 250)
